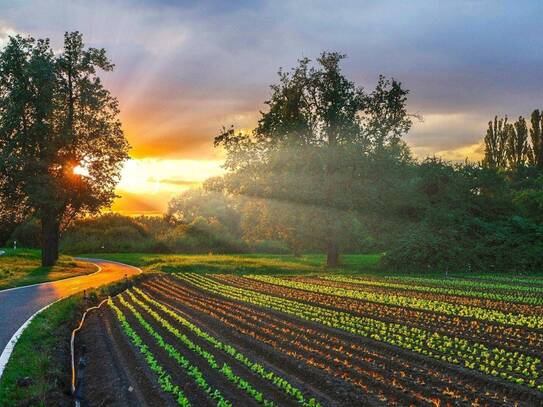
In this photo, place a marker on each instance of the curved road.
(19, 304)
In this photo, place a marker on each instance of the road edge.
(8, 350)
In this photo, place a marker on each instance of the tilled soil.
(518, 338)
(115, 374)
(334, 367)
(422, 373)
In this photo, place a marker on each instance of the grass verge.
(23, 267)
(243, 263)
(38, 372)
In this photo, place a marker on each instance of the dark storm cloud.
(185, 68)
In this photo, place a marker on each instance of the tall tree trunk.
(332, 254)
(50, 239)
(332, 245)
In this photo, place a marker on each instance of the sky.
(184, 69)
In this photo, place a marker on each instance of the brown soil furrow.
(316, 381)
(269, 391)
(504, 306)
(116, 374)
(476, 386)
(353, 360)
(179, 377)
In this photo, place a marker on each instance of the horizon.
(179, 79)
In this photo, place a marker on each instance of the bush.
(27, 234)
(201, 236)
(107, 233)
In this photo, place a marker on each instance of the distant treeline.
(429, 215)
(208, 230)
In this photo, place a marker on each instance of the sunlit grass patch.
(242, 263)
(23, 267)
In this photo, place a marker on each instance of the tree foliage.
(496, 143)
(536, 136)
(512, 146)
(57, 118)
(307, 149)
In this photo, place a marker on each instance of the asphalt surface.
(19, 304)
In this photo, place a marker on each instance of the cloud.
(184, 69)
(446, 132)
(7, 31)
(180, 182)
(152, 176)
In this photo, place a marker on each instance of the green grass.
(352, 264)
(34, 356)
(23, 267)
(243, 263)
(42, 352)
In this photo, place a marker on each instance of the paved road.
(19, 304)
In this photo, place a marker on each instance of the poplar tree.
(536, 136)
(517, 150)
(496, 143)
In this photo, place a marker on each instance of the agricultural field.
(331, 340)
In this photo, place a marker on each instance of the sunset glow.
(148, 184)
(177, 88)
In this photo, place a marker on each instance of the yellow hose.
(73, 340)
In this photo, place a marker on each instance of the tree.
(517, 150)
(536, 136)
(307, 146)
(450, 218)
(61, 143)
(10, 217)
(386, 119)
(496, 143)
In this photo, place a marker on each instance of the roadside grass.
(42, 353)
(22, 267)
(244, 263)
(34, 356)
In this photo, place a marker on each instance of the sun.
(81, 170)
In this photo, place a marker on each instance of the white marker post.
(15, 245)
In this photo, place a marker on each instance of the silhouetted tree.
(517, 150)
(308, 144)
(56, 117)
(496, 143)
(536, 136)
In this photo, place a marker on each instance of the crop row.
(472, 284)
(164, 379)
(412, 291)
(224, 369)
(358, 364)
(513, 337)
(278, 381)
(512, 280)
(513, 366)
(491, 295)
(484, 314)
(191, 370)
